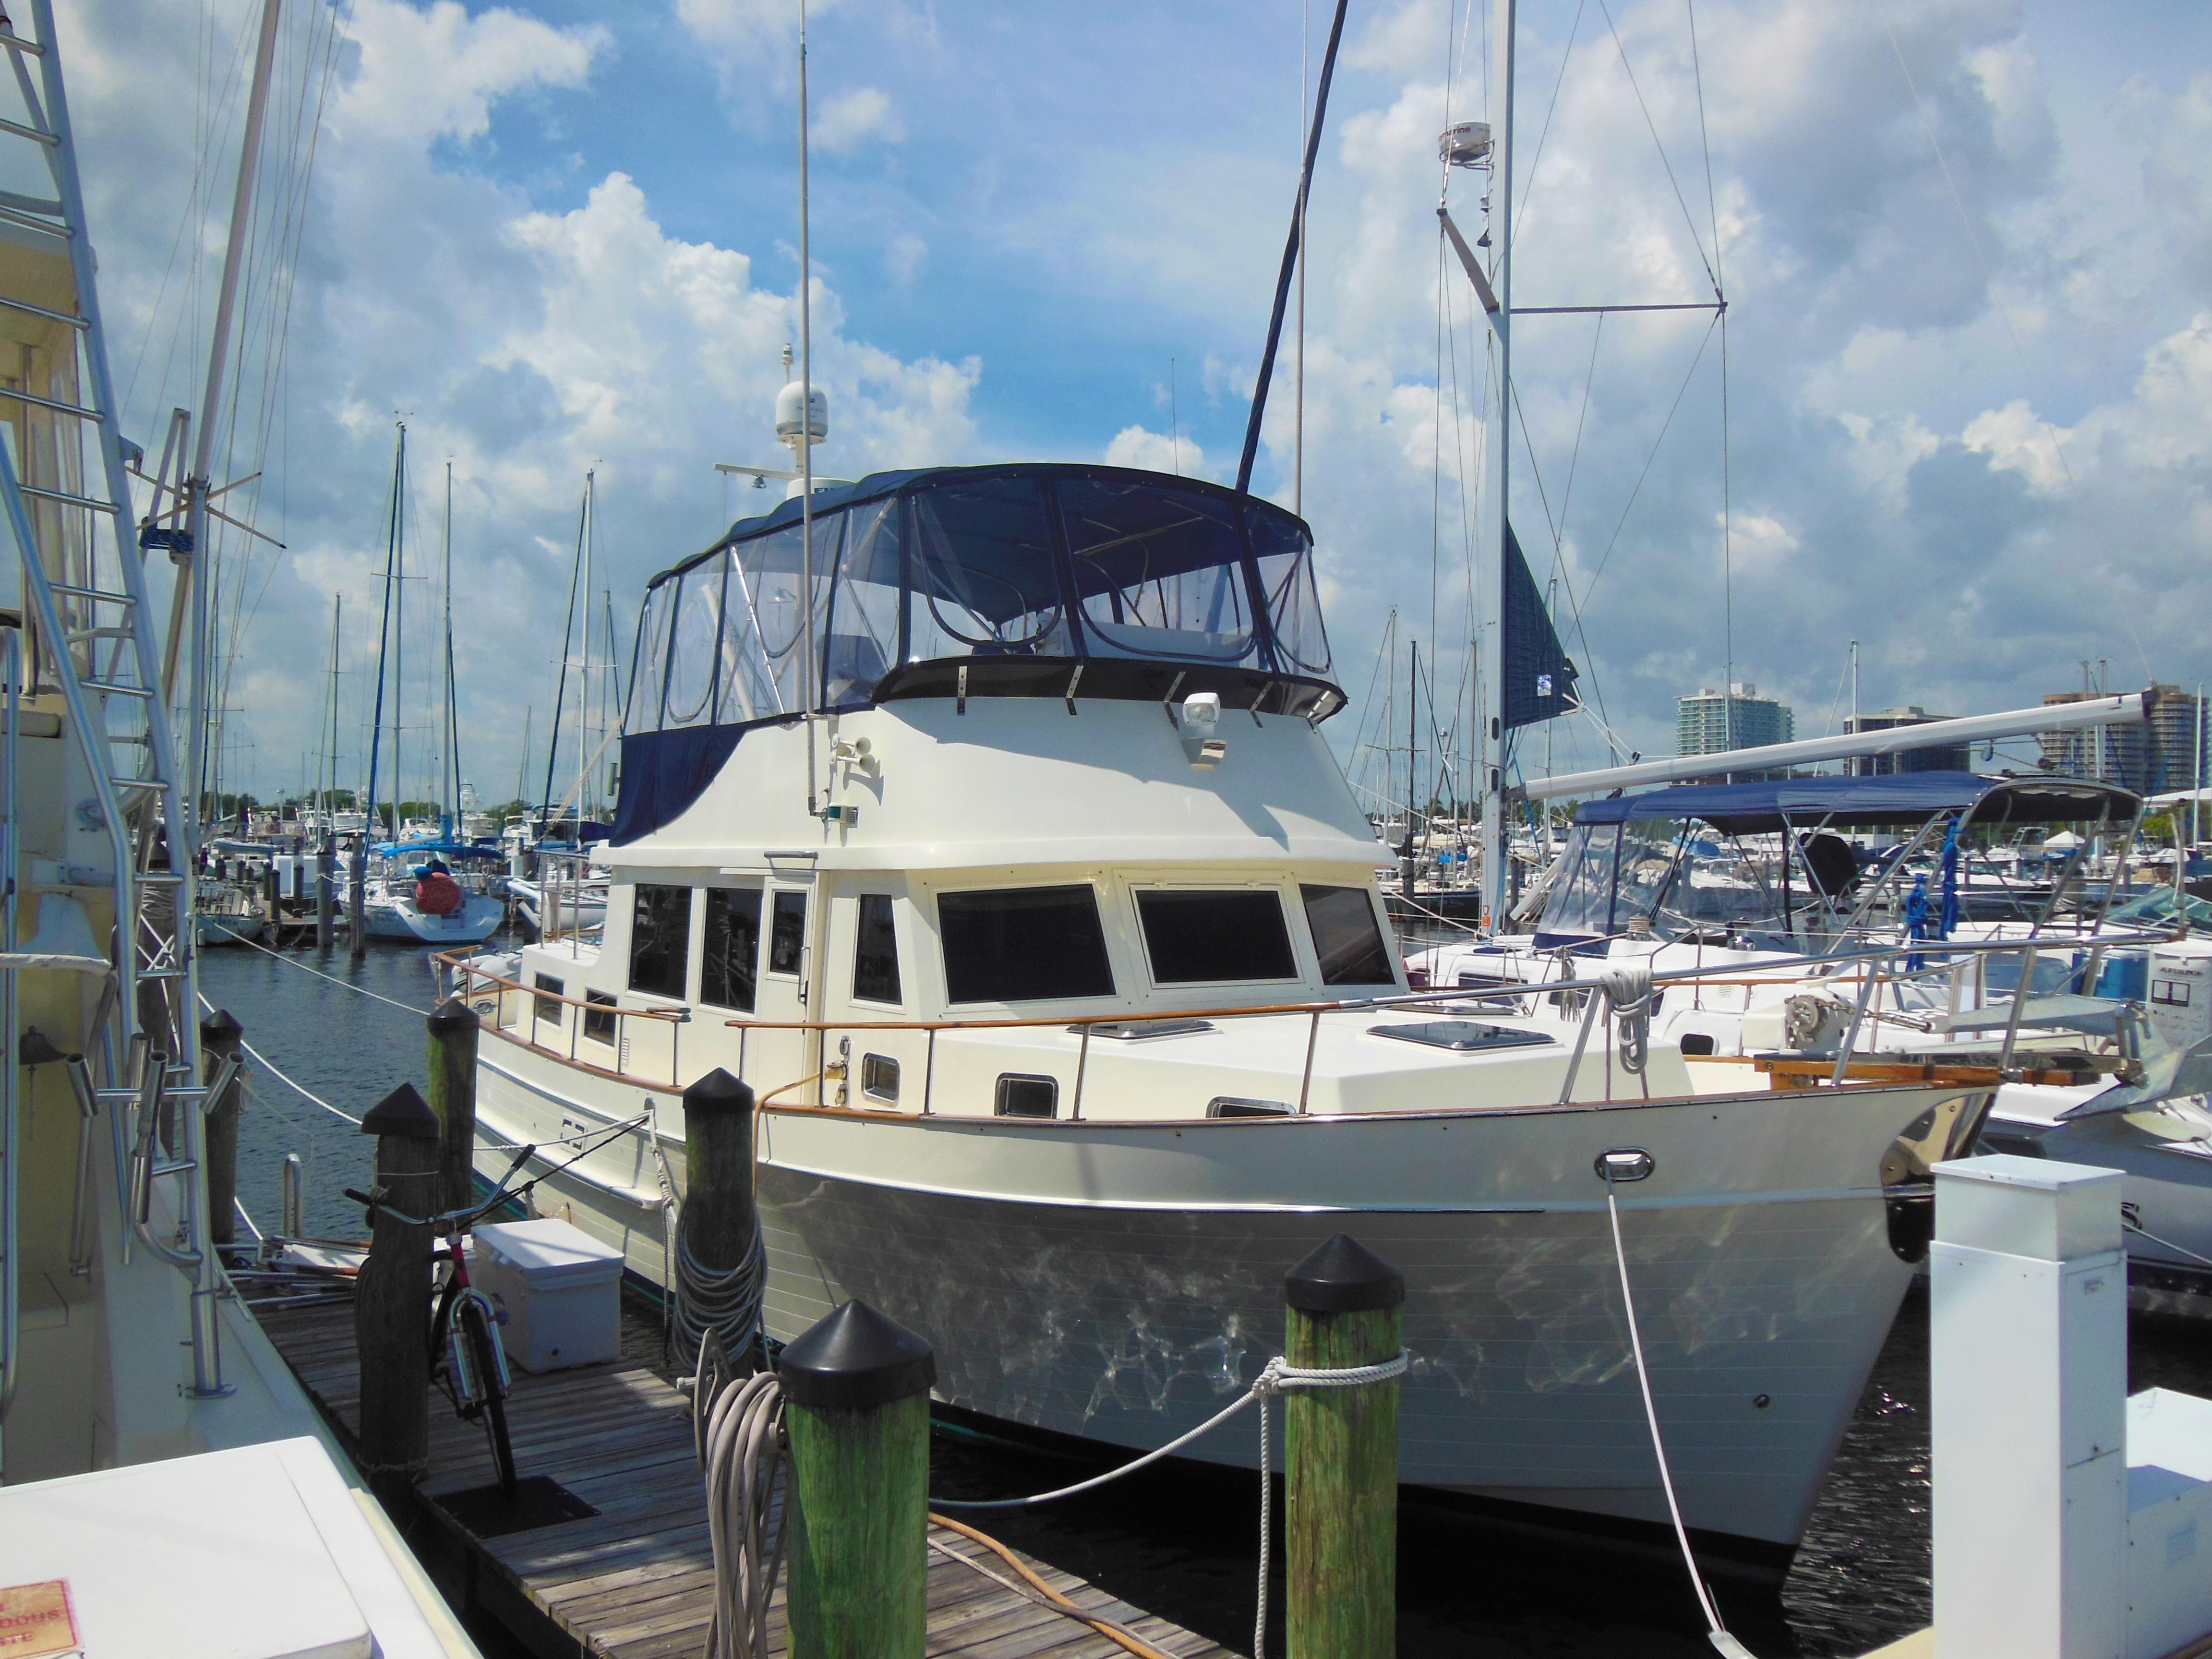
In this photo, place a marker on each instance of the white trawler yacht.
(1052, 946)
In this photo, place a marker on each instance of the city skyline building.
(1948, 757)
(1709, 721)
(2167, 751)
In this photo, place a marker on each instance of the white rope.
(1715, 1633)
(2167, 1243)
(1277, 1377)
(300, 1090)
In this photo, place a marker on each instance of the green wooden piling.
(1341, 1457)
(391, 1297)
(856, 1394)
(358, 897)
(327, 880)
(453, 1028)
(221, 1037)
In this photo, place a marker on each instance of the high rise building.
(1710, 721)
(1948, 757)
(2167, 751)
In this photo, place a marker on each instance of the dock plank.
(637, 1580)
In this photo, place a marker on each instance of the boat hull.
(477, 921)
(1122, 1282)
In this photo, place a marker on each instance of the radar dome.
(787, 418)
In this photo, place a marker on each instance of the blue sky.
(1968, 393)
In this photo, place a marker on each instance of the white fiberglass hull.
(1121, 1281)
(477, 921)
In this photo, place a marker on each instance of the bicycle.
(467, 1360)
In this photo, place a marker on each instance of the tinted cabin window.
(600, 1016)
(1024, 945)
(660, 937)
(1194, 939)
(546, 1010)
(875, 951)
(787, 939)
(1345, 936)
(730, 954)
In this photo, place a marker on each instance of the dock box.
(557, 1291)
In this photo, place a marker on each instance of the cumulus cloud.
(1155, 452)
(851, 118)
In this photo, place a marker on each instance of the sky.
(1961, 412)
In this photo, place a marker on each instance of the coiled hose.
(726, 1305)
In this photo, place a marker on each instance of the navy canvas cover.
(1900, 798)
(1540, 677)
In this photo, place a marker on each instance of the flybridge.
(1036, 581)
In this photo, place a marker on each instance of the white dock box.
(557, 1290)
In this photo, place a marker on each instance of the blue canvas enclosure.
(1025, 580)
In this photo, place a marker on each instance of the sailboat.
(400, 901)
(140, 1402)
(978, 820)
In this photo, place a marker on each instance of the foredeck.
(634, 1579)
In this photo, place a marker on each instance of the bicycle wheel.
(477, 1332)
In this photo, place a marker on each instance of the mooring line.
(346, 984)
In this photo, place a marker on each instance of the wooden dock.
(614, 1560)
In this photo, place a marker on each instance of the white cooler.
(557, 1291)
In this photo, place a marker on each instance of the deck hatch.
(1462, 1037)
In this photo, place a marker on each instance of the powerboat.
(1022, 890)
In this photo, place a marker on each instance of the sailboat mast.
(807, 698)
(561, 686)
(383, 641)
(1495, 451)
(452, 734)
(585, 803)
(398, 626)
(330, 793)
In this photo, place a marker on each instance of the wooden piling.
(717, 1170)
(392, 1299)
(357, 898)
(453, 1027)
(1341, 1457)
(326, 881)
(219, 1038)
(856, 1407)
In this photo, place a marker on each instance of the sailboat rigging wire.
(1687, 217)
(1565, 58)
(1292, 253)
(1680, 392)
(2004, 312)
(1575, 455)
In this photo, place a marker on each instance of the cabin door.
(782, 1062)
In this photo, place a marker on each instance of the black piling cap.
(451, 1015)
(221, 1026)
(35, 1047)
(718, 1091)
(404, 1112)
(856, 1359)
(1344, 1276)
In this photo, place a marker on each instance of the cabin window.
(659, 941)
(1024, 945)
(1345, 938)
(600, 1016)
(875, 951)
(1020, 1096)
(729, 955)
(1209, 938)
(545, 1007)
(786, 936)
(880, 1077)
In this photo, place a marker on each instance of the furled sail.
(1540, 678)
